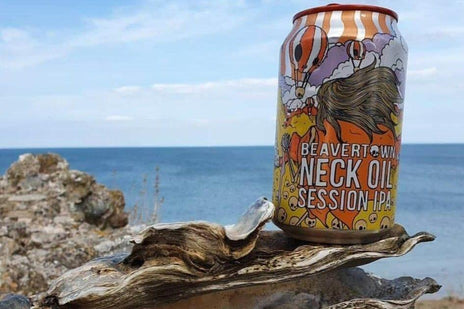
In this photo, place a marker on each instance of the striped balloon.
(356, 50)
(307, 49)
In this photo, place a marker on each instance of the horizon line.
(190, 146)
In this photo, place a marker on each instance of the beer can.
(339, 117)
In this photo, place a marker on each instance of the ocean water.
(218, 183)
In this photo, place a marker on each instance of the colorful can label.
(339, 116)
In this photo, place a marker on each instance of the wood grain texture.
(171, 262)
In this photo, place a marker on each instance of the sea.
(218, 183)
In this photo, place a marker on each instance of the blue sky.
(173, 73)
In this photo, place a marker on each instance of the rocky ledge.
(53, 219)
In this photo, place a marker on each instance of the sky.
(191, 73)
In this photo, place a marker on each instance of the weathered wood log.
(339, 288)
(170, 262)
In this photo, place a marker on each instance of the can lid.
(346, 7)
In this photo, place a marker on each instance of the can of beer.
(339, 115)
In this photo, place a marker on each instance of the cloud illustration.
(392, 52)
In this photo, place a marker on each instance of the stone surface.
(13, 301)
(53, 219)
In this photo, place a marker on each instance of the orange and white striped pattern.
(307, 49)
(340, 27)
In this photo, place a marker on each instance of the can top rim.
(346, 7)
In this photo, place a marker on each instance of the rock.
(103, 206)
(27, 166)
(53, 219)
(27, 198)
(34, 178)
(13, 301)
(77, 185)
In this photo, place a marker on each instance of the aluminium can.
(338, 128)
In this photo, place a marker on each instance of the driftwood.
(339, 288)
(183, 261)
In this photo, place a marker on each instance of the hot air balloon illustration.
(356, 50)
(307, 50)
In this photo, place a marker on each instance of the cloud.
(118, 118)
(344, 69)
(450, 32)
(421, 74)
(398, 65)
(208, 87)
(75, 95)
(161, 22)
(259, 49)
(17, 38)
(19, 49)
(200, 122)
(208, 101)
(229, 112)
(128, 90)
(290, 100)
(392, 52)
(154, 21)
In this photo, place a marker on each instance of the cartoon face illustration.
(281, 215)
(299, 92)
(311, 222)
(360, 225)
(285, 144)
(385, 223)
(293, 220)
(374, 151)
(337, 224)
(372, 217)
(285, 195)
(293, 203)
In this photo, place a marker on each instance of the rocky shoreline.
(53, 219)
